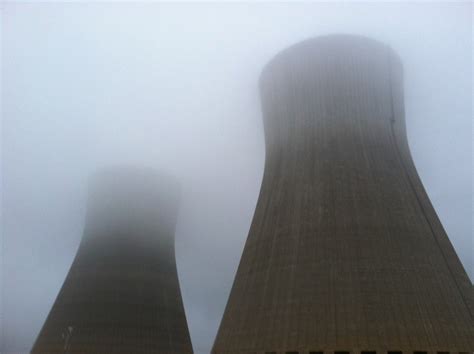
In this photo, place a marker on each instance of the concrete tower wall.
(122, 294)
(345, 252)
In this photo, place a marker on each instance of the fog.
(173, 86)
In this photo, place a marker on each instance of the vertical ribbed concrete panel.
(122, 293)
(345, 252)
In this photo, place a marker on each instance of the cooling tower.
(345, 252)
(122, 294)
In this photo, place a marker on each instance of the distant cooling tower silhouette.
(345, 253)
(122, 294)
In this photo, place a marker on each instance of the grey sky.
(174, 86)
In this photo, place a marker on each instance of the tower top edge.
(331, 44)
(133, 176)
(125, 187)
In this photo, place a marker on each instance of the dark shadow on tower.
(122, 293)
(345, 252)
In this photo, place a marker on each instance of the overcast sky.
(174, 86)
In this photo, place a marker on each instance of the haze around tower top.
(174, 87)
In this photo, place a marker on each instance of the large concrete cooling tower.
(122, 294)
(345, 253)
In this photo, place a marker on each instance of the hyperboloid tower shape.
(345, 252)
(122, 294)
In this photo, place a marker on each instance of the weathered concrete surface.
(122, 294)
(345, 251)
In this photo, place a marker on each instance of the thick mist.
(175, 87)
